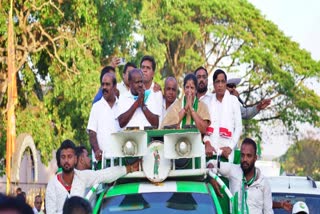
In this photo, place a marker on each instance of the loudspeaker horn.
(183, 145)
(129, 144)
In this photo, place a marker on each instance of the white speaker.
(183, 145)
(128, 144)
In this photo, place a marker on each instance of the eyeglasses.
(231, 85)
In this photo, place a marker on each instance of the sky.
(299, 20)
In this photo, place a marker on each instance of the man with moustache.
(226, 123)
(103, 120)
(253, 188)
(138, 108)
(202, 91)
(99, 95)
(73, 182)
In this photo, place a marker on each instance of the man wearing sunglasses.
(247, 112)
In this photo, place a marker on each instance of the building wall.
(26, 182)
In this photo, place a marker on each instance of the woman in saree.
(188, 111)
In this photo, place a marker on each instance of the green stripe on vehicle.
(191, 187)
(98, 204)
(224, 187)
(123, 189)
(215, 199)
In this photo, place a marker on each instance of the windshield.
(159, 202)
(312, 201)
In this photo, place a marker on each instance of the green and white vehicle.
(172, 178)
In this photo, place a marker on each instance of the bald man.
(170, 94)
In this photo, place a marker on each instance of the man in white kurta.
(226, 123)
(138, 119)
(139, 108)
(220, 112)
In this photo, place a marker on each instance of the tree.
(233, 35)
(302, 158)
(60, 48)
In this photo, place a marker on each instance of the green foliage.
(302, 158)
(116, 22)
(60, 49)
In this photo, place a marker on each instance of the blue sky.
(298, 19)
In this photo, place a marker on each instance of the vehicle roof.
(293, 184)
(147, 187)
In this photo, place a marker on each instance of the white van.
(293, 189)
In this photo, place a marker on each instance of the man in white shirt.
(140, 107)
(148, 68)
(253, 188)
(37, 205)
(124, 86)
(202, 91)
(73, 182)
(103, 120)
(226, 123)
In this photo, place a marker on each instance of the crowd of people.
(137, 102)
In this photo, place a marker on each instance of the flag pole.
(12, 99)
